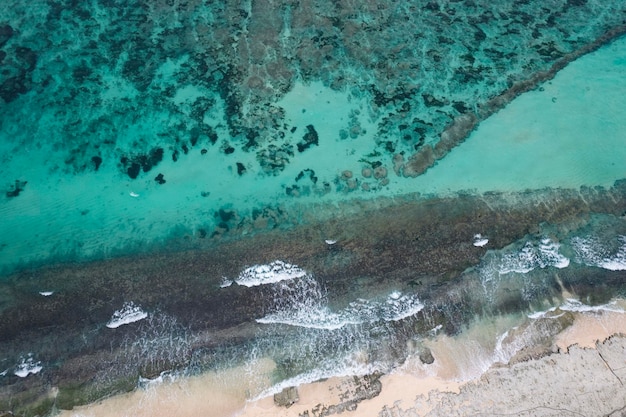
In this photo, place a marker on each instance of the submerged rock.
(142, 162)
(375, 242)
(419, 162)
(380, 172)
(13, 87)
(97, 161)
(6, 32)
(455, 134)
(16, 188)
(160, 179)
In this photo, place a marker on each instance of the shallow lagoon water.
(565, 134)
(332, 282)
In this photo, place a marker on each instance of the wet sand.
(221, 393)
(587, 361)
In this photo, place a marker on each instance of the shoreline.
(424, 251)
(415, 388)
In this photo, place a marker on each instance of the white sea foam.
(572, 304)
(302, 302)
(435, 330)
(480, 240)
(501, 353)
(27, 366)
(340, 368)
(130, 313)
(591, 252)
(550, 255)
(532, 256)
(400, 306)
(545, 314)
(314, 313)
(314, 318)
(226, 282)
(165, 376)
(5, 372)
(540, 314)
(508, 345)
(395, 295)
(268, 274)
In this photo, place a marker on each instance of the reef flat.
(126, 125)
(422, 247)
(214, 73)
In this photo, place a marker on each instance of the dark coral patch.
(251, 140)
(133, 170)
(13, 87)
(6, 32)
(143, 162)
(309, 139)
(16, 188)
(97, 161)
(227, 149)
(307, 173)
(160, 179)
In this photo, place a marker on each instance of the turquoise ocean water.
(250, 149)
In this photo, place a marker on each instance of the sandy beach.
(581, 372)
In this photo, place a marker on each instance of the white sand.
(590, 329)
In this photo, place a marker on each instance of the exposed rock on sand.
(350, 392)
(287, 397)
(579, 382)
(426, 356)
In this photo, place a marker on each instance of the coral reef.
(187, 74)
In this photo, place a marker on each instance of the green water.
(270, 138)
(567, 133)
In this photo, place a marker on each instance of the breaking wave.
(346, 367)
(591, 252)
(27, 366)
(267, 274)
(533, 255)
(314, 313)
(129, 313)
(299, 300)
(574, 305)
